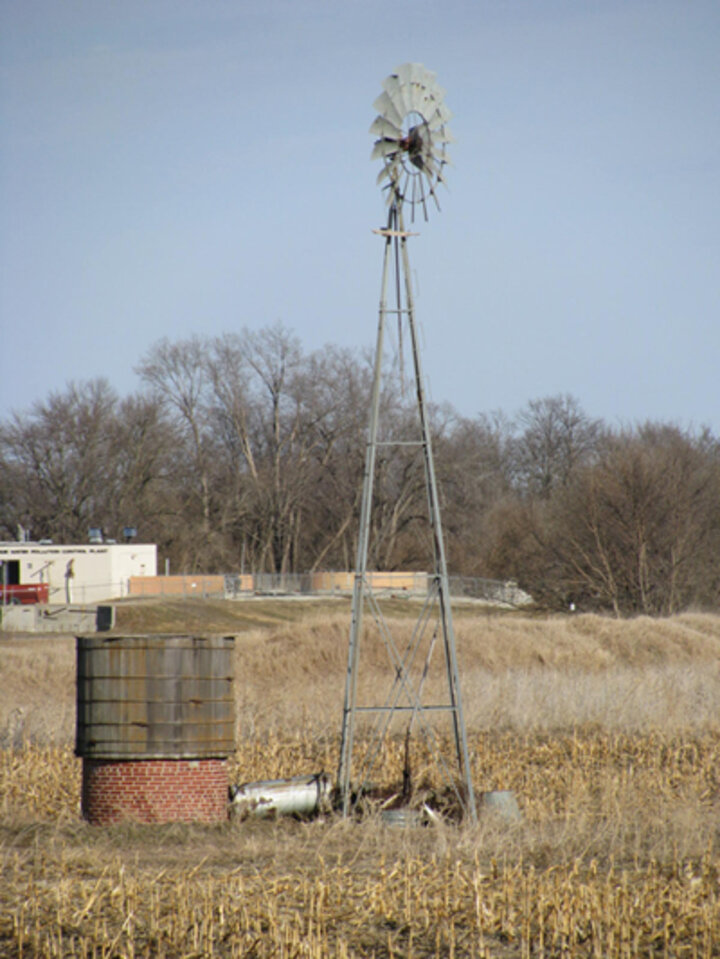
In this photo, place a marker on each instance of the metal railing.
(236, 586)
(490, 590)
(461, 587)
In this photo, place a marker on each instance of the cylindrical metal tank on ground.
(299, 796)
(155, 726)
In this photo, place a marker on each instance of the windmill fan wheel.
(412, 136)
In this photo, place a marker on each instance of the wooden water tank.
(155, 725)
(155, 697)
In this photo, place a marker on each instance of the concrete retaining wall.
(56, 619)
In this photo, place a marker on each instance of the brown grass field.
(607, 731)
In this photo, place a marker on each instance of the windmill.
(411, 140)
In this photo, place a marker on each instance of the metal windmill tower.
(412, 137)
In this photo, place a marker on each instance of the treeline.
(245, 452)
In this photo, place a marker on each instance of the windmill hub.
(414, 144)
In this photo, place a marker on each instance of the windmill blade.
(435, 91)
(432, 169)
(440, 116)
(382, 127)
(404, 72)
(421, 101)
(386, 108)
(384, 174)
(426, 103)
(437, 147)
(398, 93)
(440, 145)
(384, 148)
(416, 73)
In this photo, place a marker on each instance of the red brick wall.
(155, 790)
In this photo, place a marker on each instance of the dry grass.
(616, 854)
(160, 615)
(519, 672)
(607, 732)
(399, 904)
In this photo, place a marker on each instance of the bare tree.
(335, 384)
(80, 459)
(176, 374)
(141, 479)
(60, 454)
(474, 473)
(260, 411)
(557, 437)
(246, 451)
(636, 531)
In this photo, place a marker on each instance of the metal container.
(299, 796)
(502, 804)
(402, 818)
(155, 697)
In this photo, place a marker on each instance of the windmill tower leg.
(440, 564)
(360, 580)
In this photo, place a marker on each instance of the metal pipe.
(298, 796)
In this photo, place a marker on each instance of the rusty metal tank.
(155, 697)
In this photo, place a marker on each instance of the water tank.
(155, 725)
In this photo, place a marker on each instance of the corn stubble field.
(608, 733)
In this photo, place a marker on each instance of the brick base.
(155, 790)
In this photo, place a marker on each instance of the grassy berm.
(607, 731)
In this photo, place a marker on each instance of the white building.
(78, 574)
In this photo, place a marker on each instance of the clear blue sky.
(176, 166)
